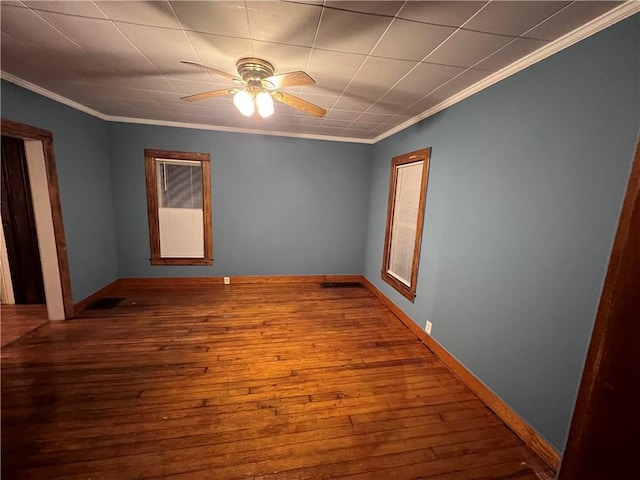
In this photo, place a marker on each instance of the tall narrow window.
(405, 216)
(179, 207)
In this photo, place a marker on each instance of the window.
(179, 207)
(405, 216)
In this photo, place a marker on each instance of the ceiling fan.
(259, 87)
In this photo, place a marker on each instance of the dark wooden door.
(19, 226)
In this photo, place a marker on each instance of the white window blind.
(405, 220)
(180, 208)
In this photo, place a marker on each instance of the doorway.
(19, 226)
(36, 254)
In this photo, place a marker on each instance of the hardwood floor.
(288, 381)
(17, 320)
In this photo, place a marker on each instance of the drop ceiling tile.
(284, 58)
(510, 53)
(420, 107)
(378, 75)
(174, 98)
(101, 78)
(14, 3)
(410, 40)
(350, 32)
(324, 101)
(150, 104)
(283, 22)
(155, 14)
(283, 108)
(83, 9)
(331, 131)
(202, 108)
(461, 82)
(154, 83)
(378, 130)
(221, 103)
(420, 81)
(309, 120)
(110, 49)
(440, 13)
(220, 52)
(386, 107)
(190, 87)
(332, 71)
(376, 7)
(335, 123)
(221, 18)
(465, 48)
(40, 72)
(163, 47)
(116, 92)
(365, 126)
(32, 30)
(377, 118)
(342, 115)
(353, 133)
(359, 129)
(570, 18)
(305, 129)
(513, 18)
(73, 90)
(397, 120)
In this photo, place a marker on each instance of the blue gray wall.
(82, 160)
(281, 206)
(526, 184)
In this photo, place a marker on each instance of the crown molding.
(594, 26)
(615, 15)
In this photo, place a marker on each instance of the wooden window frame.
(150, 156)
(423, 155)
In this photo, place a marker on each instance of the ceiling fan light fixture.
(261, 88)
(265, 104)
(244, 102)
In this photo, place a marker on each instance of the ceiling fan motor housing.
(254, 69)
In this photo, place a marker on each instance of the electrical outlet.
(428, 327)
(227, 281)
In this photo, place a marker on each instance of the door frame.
(57, 243)
(602, 440)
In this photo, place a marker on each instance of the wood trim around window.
(424, 155)
(150, 156)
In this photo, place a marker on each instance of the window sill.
(399, 286)
(181, 261)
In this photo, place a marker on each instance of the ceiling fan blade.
(290, 79)
(214, 93)
(214, 70)
(299, 103)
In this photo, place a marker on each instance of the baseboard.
(237, 280)
(515, 422)
(83, 304)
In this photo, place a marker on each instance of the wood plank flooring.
(17, 320)
(287, 381)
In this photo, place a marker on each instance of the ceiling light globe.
(265, 104)
(244, 102)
